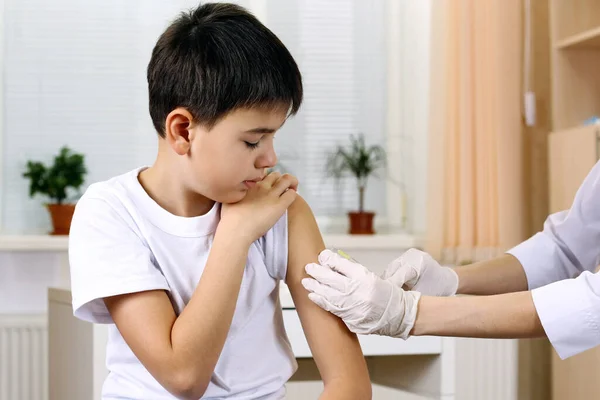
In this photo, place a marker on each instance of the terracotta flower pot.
(61, 215)
(361, 223)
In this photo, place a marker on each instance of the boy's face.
(224, 162)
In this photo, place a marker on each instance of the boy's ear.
(178, 126)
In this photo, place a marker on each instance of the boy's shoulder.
(113, 189)
(112, 196)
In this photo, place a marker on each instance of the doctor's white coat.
(559, 263)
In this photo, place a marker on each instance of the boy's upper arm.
(145, 320)
(335, 349)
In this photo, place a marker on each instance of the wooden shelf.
(572, 154)
(587, 39)
(577, 130)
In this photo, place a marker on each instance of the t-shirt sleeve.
(107, 257)
(275, 247)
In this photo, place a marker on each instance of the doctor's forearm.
(501, 316)
(503, 274)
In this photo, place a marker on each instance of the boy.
(184, 258)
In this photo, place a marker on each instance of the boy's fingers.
(287, 198)
(284, 183)
(270, 179)
(294, 182)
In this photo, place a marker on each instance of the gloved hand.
(366, 303)
(417, 270)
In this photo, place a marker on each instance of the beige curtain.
(475, 189)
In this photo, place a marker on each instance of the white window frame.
(2, 133)
(394, 118)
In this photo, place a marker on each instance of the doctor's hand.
(366, 303)
(417, 270)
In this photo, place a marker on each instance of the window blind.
(339, 47)
(74, 74)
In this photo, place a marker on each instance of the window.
(74, 73)
(340, 47)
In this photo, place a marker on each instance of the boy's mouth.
(250, 183)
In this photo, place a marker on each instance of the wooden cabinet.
(576, 378)
(572, 154)
(574, 149)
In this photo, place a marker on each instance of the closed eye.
(251, 145)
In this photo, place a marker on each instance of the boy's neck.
(171, 194)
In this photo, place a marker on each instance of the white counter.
(77, 348)
(371, 345)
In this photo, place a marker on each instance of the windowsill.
(381, 241)
(33, 242)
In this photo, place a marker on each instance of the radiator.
(23, 357)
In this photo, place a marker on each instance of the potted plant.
(67, 171)
(360, 161)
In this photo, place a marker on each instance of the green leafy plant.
(357, 160)
(67, 171)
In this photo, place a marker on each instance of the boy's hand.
(261, 208)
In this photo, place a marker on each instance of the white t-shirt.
(121, 241)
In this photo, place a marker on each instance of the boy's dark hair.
(217, 58)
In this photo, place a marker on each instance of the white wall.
(25, 278)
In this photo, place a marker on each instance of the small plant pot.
(361, 223)
(61, 215)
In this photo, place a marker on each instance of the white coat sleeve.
(568, 247)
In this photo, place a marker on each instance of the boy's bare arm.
(335, 349)
(181, 352)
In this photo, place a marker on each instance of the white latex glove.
(417, 270)
(366, 303)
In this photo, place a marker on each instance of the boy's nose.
(268, 159)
